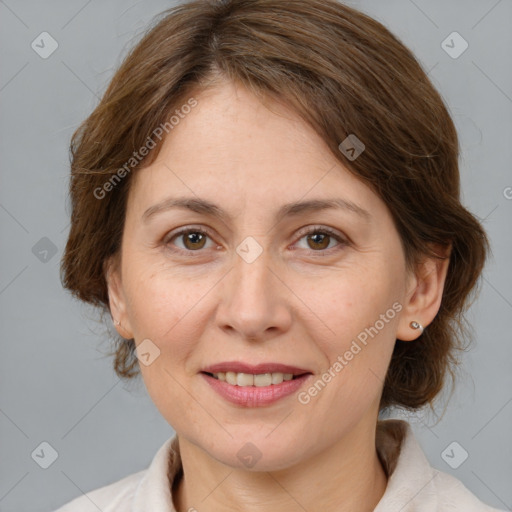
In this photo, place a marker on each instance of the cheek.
(158, 298)
(167, 309)
(361, 314)
(350, 301)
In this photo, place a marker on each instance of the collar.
(412, 483)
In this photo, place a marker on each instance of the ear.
(116, 297)
(424, 293)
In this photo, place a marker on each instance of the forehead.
(231, 147)
(230, 122)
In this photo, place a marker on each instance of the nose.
(254, 301)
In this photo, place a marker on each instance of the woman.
(266, 201)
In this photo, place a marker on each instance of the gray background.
(56, 386)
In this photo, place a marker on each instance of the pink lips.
(238, 367)
(253, 396)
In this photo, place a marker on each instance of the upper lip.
(238, 367)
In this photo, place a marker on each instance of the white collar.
(413, 486)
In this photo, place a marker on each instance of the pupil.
(323, 239)
(194, 238)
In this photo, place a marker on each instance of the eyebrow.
(205, 207)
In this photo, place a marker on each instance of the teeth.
(248, 379)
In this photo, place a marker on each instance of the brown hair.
(343, 73)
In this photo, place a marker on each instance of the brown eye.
(188, 240)
(318, 241)
(193, 240)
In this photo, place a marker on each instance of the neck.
(347, 477)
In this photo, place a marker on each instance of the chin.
(258, 451)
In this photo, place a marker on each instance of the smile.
(258, 390)
(248, 379)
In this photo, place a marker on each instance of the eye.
(318, 239)
(193, 239)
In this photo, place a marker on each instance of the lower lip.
(253, 396)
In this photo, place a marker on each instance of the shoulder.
(147, 489)
(117, 495)
(413, 484)
(454, 496)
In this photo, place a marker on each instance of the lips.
(239, 367)
(249, 385)
(258, 395)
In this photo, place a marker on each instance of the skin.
(291, 305)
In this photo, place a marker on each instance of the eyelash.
(342, 242)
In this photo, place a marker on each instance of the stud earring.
(417, 325)
(117, 322)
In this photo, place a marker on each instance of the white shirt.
(413, 484)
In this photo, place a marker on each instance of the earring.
(417, 325)
(117, 322)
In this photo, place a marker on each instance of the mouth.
(264, 374)
(257, 380)
(255, 385)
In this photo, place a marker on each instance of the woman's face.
(258, 282)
